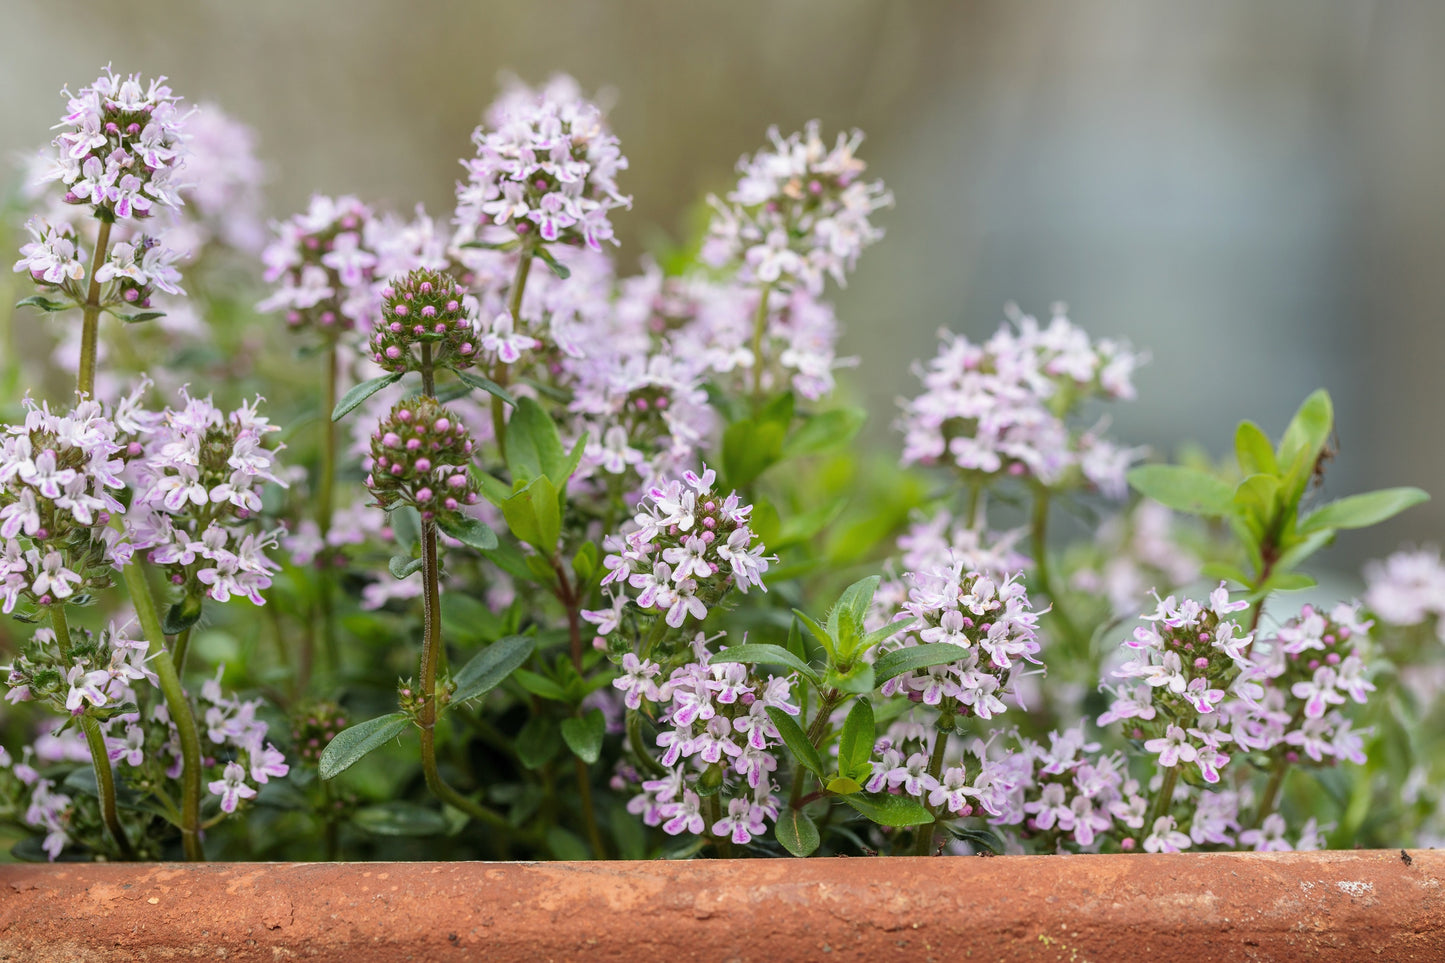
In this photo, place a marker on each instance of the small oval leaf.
(349, 745)
(352, 399)
(492, 665)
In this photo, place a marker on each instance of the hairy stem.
(500, 370)
(182, 646)
(325, 574)
(1038, 531)
(90, 323)
(923, 844)
(177, 704)
(1165, 800)
(760, 328)
(99, 755)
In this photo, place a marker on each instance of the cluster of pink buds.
(324, 266)
(420, 456)
(423, 308)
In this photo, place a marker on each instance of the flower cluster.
(421, 455)
(140, 268)
(1311, 664)
(1187, 660)
(546, 163)
(999, 408)
(324, 266)
(84, 671)
(198, 499)
(718, 741)
(1408, 588)
(58, 475)
(689, 546)
(121, 147)
(988, 618)
(52, 257)
(800, 212)
(423, 308)
(1067, 797)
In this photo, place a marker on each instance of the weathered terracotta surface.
(1331, 906)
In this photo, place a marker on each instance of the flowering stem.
(179, 707)
(99, 756)
(639, 748)
(1165, 800)
(1039, 537)
(1271, 790)
(499, 370)
(760, 327)
(90, 325)
(325, 582)
(713, 813)
(923, 845)
(182, 645)
(430, 656)
(567, 595)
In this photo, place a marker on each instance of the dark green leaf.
(349, 745)
(796, 740)
(538, 742)
(490, 666)
(584, 735)
(353, 398)
(819, 632)
(181, 616)
(472, 380)
(796, 832)
(760, 652)
(533, 445)
(981, 838)
(855, 745)
(1361, 511)
(557, 267)
(397, 817)
(140, 316)
(1183, 489)
(401, 566)
(472, 532)
(584, 563)
(540, 685)
(44, 304)
(886, 810)
(913, 657)
(753, 445)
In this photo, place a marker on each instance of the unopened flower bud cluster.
(423, 307)
(421, 456)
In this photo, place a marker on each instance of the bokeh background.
(1251, 190)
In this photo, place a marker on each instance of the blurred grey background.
(1251, 190)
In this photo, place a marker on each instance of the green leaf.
(533, 515)
(493, 488)
(181, 616)
(914, 657)
(825, 639)
(1258, 505)
(472, 532)
(1289, 582)
(981, 838)
(1361, 511)
(796, 740)
(489, 667)
(140, 316)
(44, 303)
(1183, 489)
(845, 621)
(584, 735)
(858, 679)
(353, 398)
(467, 621)
(541, 686)
(855, 745)
(796, 833)
(533, 446)
(557, 267)
(843, 786)
(349, 745)
(584, 563)
(397, 817)
(1306, 434)
(1221, 571)
(754, 652)
(405, 526)
(1302, 550)
(823, 431)
(1253, 450)
(402, 566)
(886, 810)
(537, 742)
(485, 384)
(753, 445)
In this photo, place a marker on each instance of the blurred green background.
(1251, 190)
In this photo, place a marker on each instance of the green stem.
(975, 490)
(178, 705)
(325, 575)
(589, 818)
(178, 654)
(923, 845)
(567, 595)
(1271, 791)
(1165, 800)
(1038, 531)
(430, 652)
(99, 755)
(712, 812)
(90, 324)
(500, 370)
(639, 748)
(760, 328)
